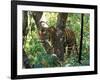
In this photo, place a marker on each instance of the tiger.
(59, 41)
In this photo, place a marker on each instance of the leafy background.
(37, 56)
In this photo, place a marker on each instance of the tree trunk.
(81, 38)
(37, 17)
(61, 20)
(59, 39)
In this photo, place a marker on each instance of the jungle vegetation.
(34, 52)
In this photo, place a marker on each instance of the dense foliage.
(37, 56)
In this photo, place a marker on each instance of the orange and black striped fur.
(70, 42)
